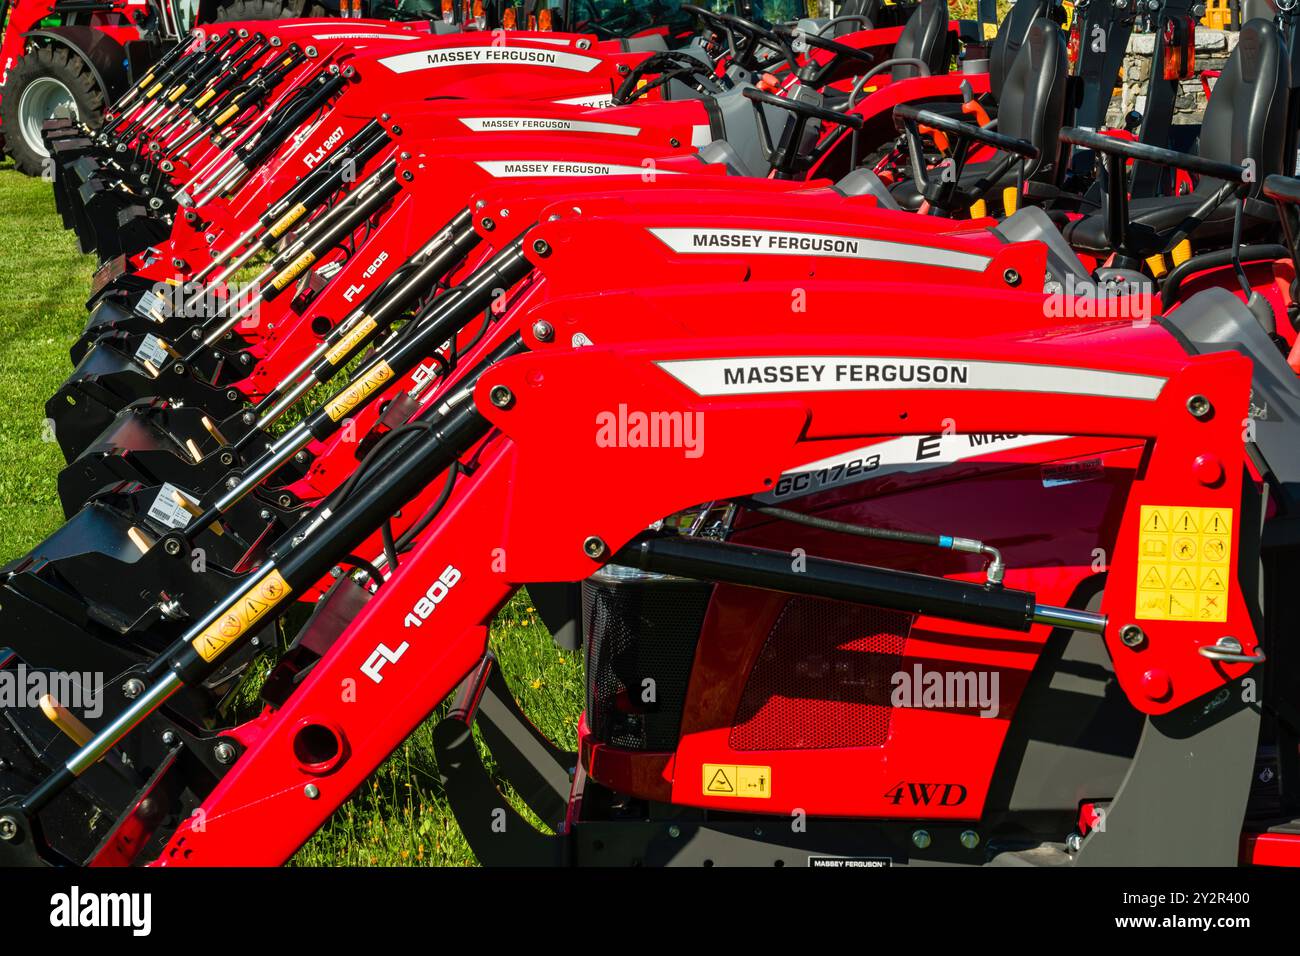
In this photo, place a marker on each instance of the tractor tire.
(48, 81)
(255, 10)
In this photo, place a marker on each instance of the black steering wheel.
(784, 156)
(945, 192)
(754, 37)
(815, 74)
(1114, 185)
(669, 65)
(614, 26)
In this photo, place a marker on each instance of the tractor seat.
(1011, 35)
(1032, 107)
(1246, 118)
(855, 15)
(924, 38)
(1154, 220)
(921, 49)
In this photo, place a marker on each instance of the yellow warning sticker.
(293, 270)
(281, 225)
(358, 391)
(1183, 557)
(349, 341)
(730, 780)
(245, 611)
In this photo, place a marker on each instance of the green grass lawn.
(399, 817)
(43, 285)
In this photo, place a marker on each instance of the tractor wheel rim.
(43, 97)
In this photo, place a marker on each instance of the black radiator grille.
(639, 630)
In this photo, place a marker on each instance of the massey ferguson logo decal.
(595, 102)
(484, 124)
(489, 55)
(781, 243)
(365, 36)
(319, 153)
(522, 168)
(904, 372)
(848, 373)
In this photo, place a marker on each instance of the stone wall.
(1212, 50)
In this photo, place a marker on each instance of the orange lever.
(940, 138)
(981, 114)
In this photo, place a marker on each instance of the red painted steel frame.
(501, 528)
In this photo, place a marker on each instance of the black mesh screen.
(639, 631)
(822, 679)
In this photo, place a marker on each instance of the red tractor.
(70, 57)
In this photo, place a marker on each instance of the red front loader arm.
(425, 629)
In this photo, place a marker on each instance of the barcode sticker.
(151, 306)
(153, 351)
(166, 510)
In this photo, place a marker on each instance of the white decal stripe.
(529, 168)
(489, 56)
(906, 454)
(545, 124)
(599, 101)
(850, 373)
(365, 36)
(707, 241)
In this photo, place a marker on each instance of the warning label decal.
(1183, 558)
(243, 614)
(730, 780)
(360, 389)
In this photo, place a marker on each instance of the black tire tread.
(254, 10)
(64, 64)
